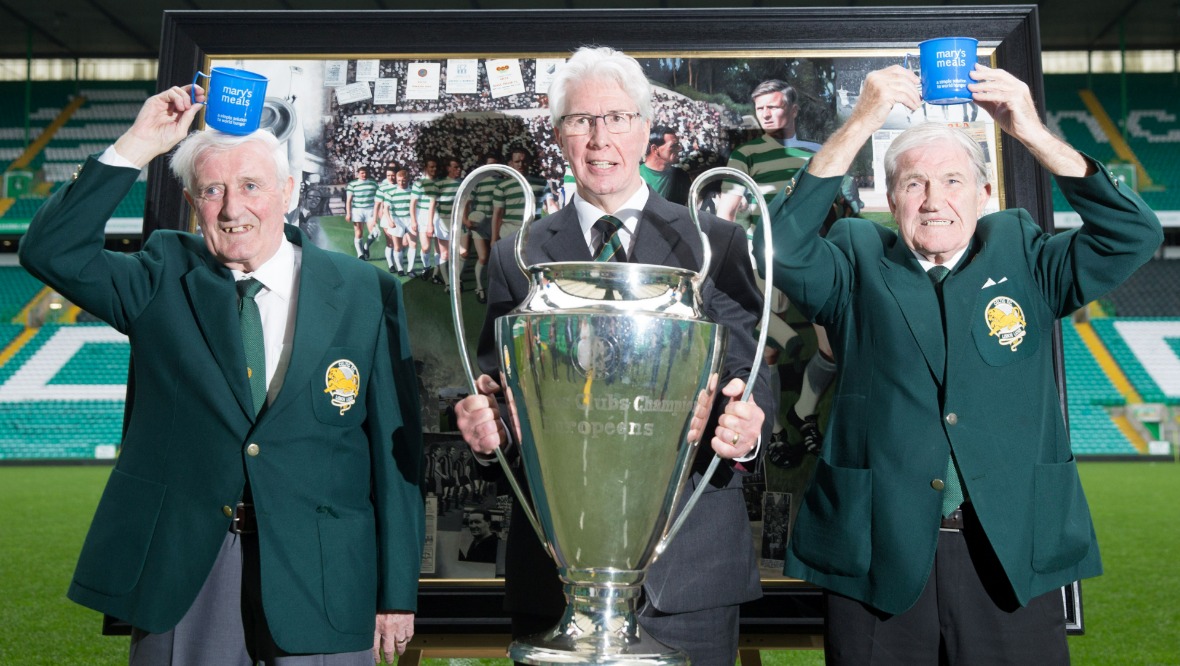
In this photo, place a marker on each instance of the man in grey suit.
(601, 107)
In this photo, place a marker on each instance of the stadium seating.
(1089, 392)
(1139, 343)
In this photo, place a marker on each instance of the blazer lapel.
(213, 300)
(561, 240)
(916, 299)
(661, 234)
(316, 319)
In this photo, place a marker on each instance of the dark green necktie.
(612, 245)
(250, 321)
(952, 494)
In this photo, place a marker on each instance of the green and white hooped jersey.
(425, 190)
(446, 190)
(364, 193)
(510, 197)
(396, 198)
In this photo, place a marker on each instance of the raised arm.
(162, 122)
(1010, 103)
(882, 90)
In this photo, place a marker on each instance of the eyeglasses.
(616, 122)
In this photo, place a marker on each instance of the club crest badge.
(1005, 321)
(343, 384)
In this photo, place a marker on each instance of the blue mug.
(234, 100)
(945, 63)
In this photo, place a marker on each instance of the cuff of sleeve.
(111, 157)
(752, 454)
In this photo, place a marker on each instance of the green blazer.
(336, 491)
(908, 394)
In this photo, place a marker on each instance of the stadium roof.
(120, 29)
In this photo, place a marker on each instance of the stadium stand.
(1151, 112)
(1090, 392)
(1153, 291)
(61, 394)
(1142, 350)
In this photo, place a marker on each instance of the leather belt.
(953, 522)
(244, 521)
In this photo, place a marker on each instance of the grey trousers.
(214, 630)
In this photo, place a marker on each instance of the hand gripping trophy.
(610, 372)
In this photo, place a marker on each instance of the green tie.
(952, 494)
(612, 245)
(250, 321)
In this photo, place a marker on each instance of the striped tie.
(250, 322)
(612, 246)
(952, 494)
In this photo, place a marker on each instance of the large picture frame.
(790, 613)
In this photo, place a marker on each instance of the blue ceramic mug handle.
(193, 91)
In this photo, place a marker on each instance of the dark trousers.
(967, 615)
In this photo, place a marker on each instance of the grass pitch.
(1131, 613)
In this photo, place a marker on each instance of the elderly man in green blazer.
(276, 521)
(946, 509)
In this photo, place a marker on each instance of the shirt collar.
(628, 213)
(278, 273)
(950, 264)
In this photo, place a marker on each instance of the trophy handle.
(461, 198)
(764, 322)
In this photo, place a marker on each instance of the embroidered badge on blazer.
(343, 382)
(1005, 321)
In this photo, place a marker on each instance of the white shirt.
(628, 214)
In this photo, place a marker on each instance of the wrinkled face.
(454, 169)
(478, 525)
(605, 165)
(670, 151)
(936, 199)
(240, 205)
(775, 114)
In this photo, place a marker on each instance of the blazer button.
(937, 484)
(253, 449)
(229, 513)
(952, 418)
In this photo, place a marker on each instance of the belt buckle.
(243, 522)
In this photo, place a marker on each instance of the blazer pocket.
(116, 547)
(348, 555)
(338, 387)
(1061, 517)
(1004, 325)
(833, 532)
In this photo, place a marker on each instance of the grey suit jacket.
(711, 561)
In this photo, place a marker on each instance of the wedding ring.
(736, 438)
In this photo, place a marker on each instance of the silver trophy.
(610, 371)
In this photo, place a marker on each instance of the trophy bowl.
(609, 373)
(605, 366)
